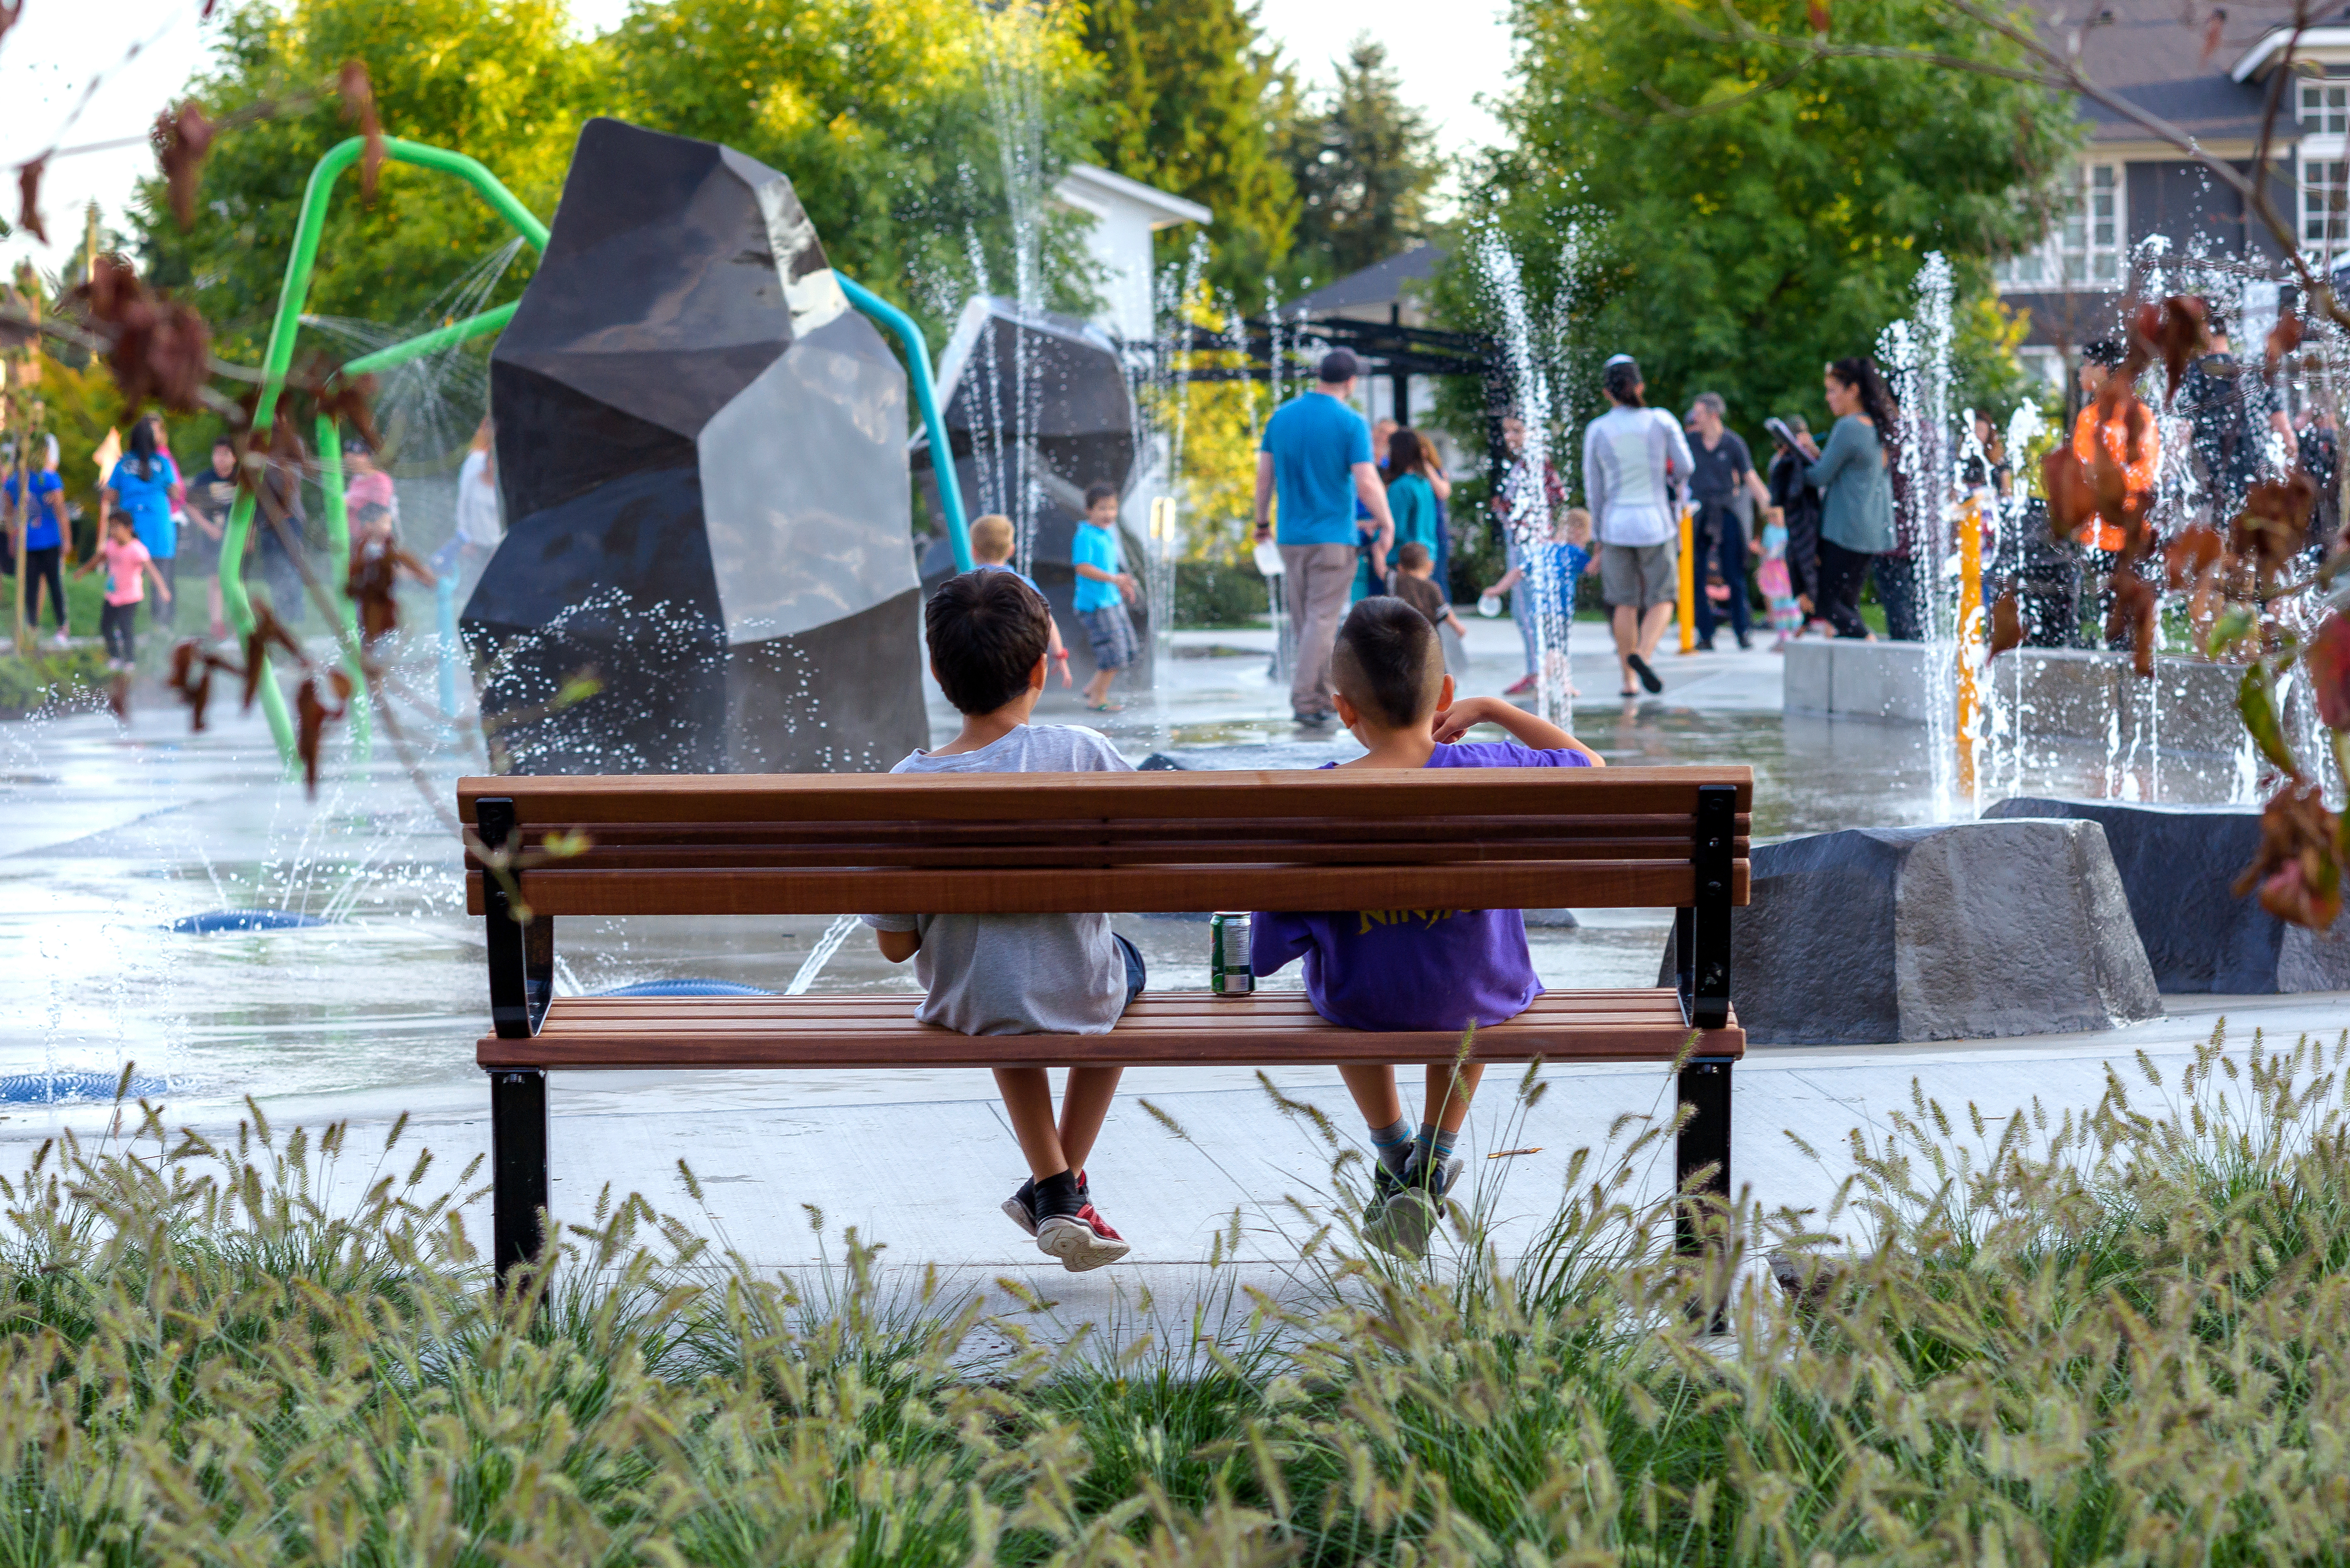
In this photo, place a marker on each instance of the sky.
(48, 58)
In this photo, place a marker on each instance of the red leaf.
(2181, 333)
(2283, 338)
(2006, 624)
(1816, 12)
(2329, 670)
(359, 104)
(311, 724)
(2133, 612)
(2274, 523)
(2212, 27)
(2071, 497)
(10, 10)
(28, 198)
(351, 401)
(2300, 880)
(182, 138)
(2188, 554)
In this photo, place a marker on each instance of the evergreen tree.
(1364, 163)
(1184, 103)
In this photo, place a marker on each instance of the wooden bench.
(1020, 843)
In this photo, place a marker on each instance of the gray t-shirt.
(1019, 974)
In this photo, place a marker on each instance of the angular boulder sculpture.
(702, 451)
(1971, 931)
(2178, 866)
(1038, 410)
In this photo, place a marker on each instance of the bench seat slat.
(1135, 852)
(1117, 830)
(1479, 885)
(1169, 1028)
(1361, 795)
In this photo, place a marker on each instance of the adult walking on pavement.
(1723, 474)
(1528, 505)
(1857, 491)
(1316, 456)
(1633, 458)
(1799, 505)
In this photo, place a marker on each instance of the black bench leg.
(1704, 1139)
(518, 1194)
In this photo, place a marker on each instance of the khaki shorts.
(1638, 574)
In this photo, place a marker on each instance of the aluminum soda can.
(1229, 974)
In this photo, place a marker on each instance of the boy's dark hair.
(220, 441)
(1388, 663)
(986, 630)
(1097, 493)
(1414, 555)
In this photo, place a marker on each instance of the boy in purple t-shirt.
(1414, 968)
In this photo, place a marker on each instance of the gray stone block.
(1974, 930)
(2178, 866)
(1808, 684)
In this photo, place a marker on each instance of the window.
(2326, 208)
(2325, 109)
(2085, 251)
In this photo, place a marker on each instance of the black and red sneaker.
(1082, 1240)
(1021, 1207)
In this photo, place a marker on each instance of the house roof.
(1164, 209)
(1378, 284)
(2154, 54)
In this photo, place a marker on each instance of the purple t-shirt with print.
(1414, 968)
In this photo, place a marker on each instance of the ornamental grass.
(2115, 1336)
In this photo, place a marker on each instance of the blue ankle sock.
(1393, 1144)
(1437, 1142)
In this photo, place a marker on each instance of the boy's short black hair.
(220, 440)
(1097, 493)
(1388, 663)
(1414, 555)
(986, 630)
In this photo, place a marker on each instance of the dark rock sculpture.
(2178, 866)
(702, 451)
(1972, 931)
(1038, 409)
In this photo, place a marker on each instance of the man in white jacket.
(1635, 459)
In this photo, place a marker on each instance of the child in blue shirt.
(1414, 968)
(1564, 556)
(1104, 590)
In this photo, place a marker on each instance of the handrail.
(299, 265)
(926, 394)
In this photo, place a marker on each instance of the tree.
(1742, 223)
(1187, 100)
(1364, 163)
(504, 80)
(911, 130)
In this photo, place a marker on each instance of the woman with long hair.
(1852, 474)
(145, 485)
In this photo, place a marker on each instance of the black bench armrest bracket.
(522, 957)
(1702, 931)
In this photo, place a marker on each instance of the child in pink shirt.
(128, 567)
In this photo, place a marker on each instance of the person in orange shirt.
(2103, 538)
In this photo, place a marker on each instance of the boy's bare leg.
(1374, 1089)
(1028, 1101)
(1085, 1101)
(1448, 1097)
(1625, 622)
(1653, 621)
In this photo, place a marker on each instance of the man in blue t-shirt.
(1317, 455)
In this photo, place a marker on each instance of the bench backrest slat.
(801, 844)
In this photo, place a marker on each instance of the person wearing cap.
(1316, 458)
(1634, 457)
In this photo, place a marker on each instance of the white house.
(1126, 213)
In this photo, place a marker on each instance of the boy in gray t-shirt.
(1021, 974)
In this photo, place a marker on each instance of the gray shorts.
(1638, 574)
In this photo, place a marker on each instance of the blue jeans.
(1136, 975)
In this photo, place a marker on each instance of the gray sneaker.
(1402, 1224)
